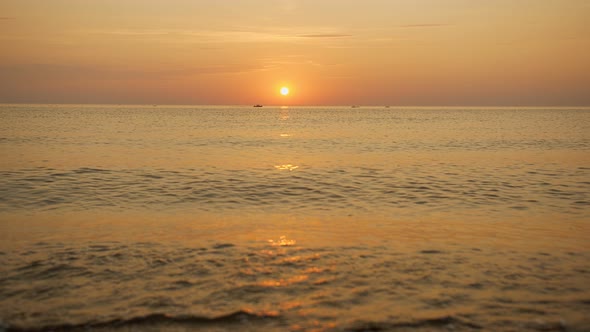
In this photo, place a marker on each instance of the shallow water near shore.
(329, 219)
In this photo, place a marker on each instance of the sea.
(235, 218)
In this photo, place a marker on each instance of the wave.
(436, 322)
(161, 287)
(306, 189)
(242, 317)
(237, 317)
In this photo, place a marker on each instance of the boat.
(257, 105)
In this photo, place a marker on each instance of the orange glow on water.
(282, 242)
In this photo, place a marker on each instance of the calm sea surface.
(299, 219)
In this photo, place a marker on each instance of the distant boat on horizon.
(257, 105)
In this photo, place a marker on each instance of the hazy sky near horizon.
(329, 52)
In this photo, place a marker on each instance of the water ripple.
(281, 286)
(298, 189)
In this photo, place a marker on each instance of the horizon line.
(299, 105)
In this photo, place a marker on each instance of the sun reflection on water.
(284, 115)
(284, 282)
(282, 242)
(286, 167)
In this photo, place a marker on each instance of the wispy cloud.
(88, 72)
(223, 36)
(425, 25)
(273, 63)
(212, 36)
(326, 35)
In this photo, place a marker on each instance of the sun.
(284, 91)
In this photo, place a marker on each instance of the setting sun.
(284, 91)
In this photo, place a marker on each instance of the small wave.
(437, 322)
(162, 286)
(152, 321)
(223, 245)
(309, 190)
(83, 170)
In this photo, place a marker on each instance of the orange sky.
(329, 52)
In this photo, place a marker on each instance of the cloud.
(326, 35)
(88, 72)
(7, 18)
(426, 25)
(237, 35)
(191, 36)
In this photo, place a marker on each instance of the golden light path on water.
(286, 167)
